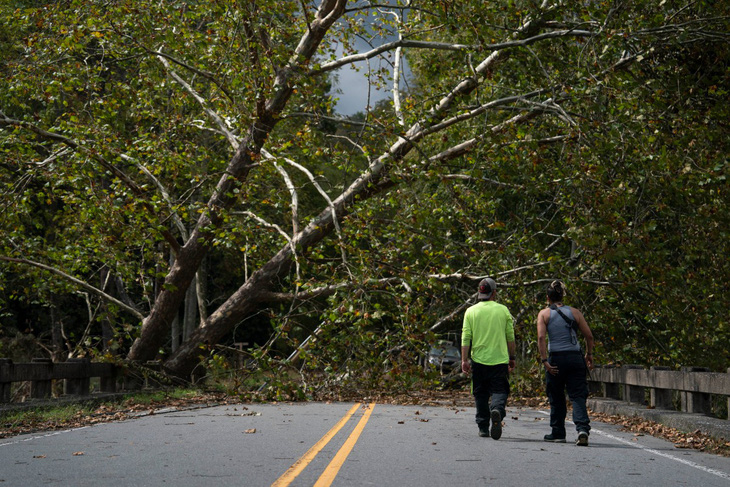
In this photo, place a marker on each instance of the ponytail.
(556, 291)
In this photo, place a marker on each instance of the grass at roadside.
(75, 415)
(44, 416)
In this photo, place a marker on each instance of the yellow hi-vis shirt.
(488, 326)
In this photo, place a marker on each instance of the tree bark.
(190, 310)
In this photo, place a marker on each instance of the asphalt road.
(345, 444)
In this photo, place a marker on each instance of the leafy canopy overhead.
(193, 145)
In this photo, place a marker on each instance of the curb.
(684, 422)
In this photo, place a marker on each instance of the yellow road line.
(326, 479)
(307, 458)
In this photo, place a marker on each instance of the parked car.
(443, 356)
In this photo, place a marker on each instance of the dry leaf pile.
(640, 426)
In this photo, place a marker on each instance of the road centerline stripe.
(329, 474)
(293, 471)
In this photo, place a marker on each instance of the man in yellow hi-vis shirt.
(488, 337)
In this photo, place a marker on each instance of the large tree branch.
(443, 46)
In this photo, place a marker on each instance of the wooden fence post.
(108, 381)
(41, 386)
(660, 398)
(5, 384)
(79, 384)
(695, 402)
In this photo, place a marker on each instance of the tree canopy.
(176, 179)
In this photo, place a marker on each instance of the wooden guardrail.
(75, 373)
(657, 386)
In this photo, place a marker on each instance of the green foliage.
(598, 155)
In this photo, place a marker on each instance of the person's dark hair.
(556, 291)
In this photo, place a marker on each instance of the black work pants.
(571, 378)
(489, 381)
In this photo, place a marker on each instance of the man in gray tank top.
(565, 367)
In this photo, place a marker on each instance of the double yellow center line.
(329, 474)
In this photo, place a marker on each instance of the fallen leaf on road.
(250, 431)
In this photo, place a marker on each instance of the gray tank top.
(561, 337)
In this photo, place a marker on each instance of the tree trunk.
(56, 336)
(175, 335)
(201, 283)
(242, 303)
(190, 310)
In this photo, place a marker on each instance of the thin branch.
(56, 155)
(294, 197)
(339, 120)
(266, 224)
(466, 177)
(232, 140)
(451, 316)
(78, 282)
(8, 122)
(329, 290)
(478, 111)
(396, 69)
(467, 145)
(93, 154)
(165, 195)
(321, 191)
(204, 74)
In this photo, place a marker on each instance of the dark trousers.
(489, 381)
(571, 377)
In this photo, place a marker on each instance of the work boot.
(553, 439)
(484, 428)
(496, 425)
(582, 439)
